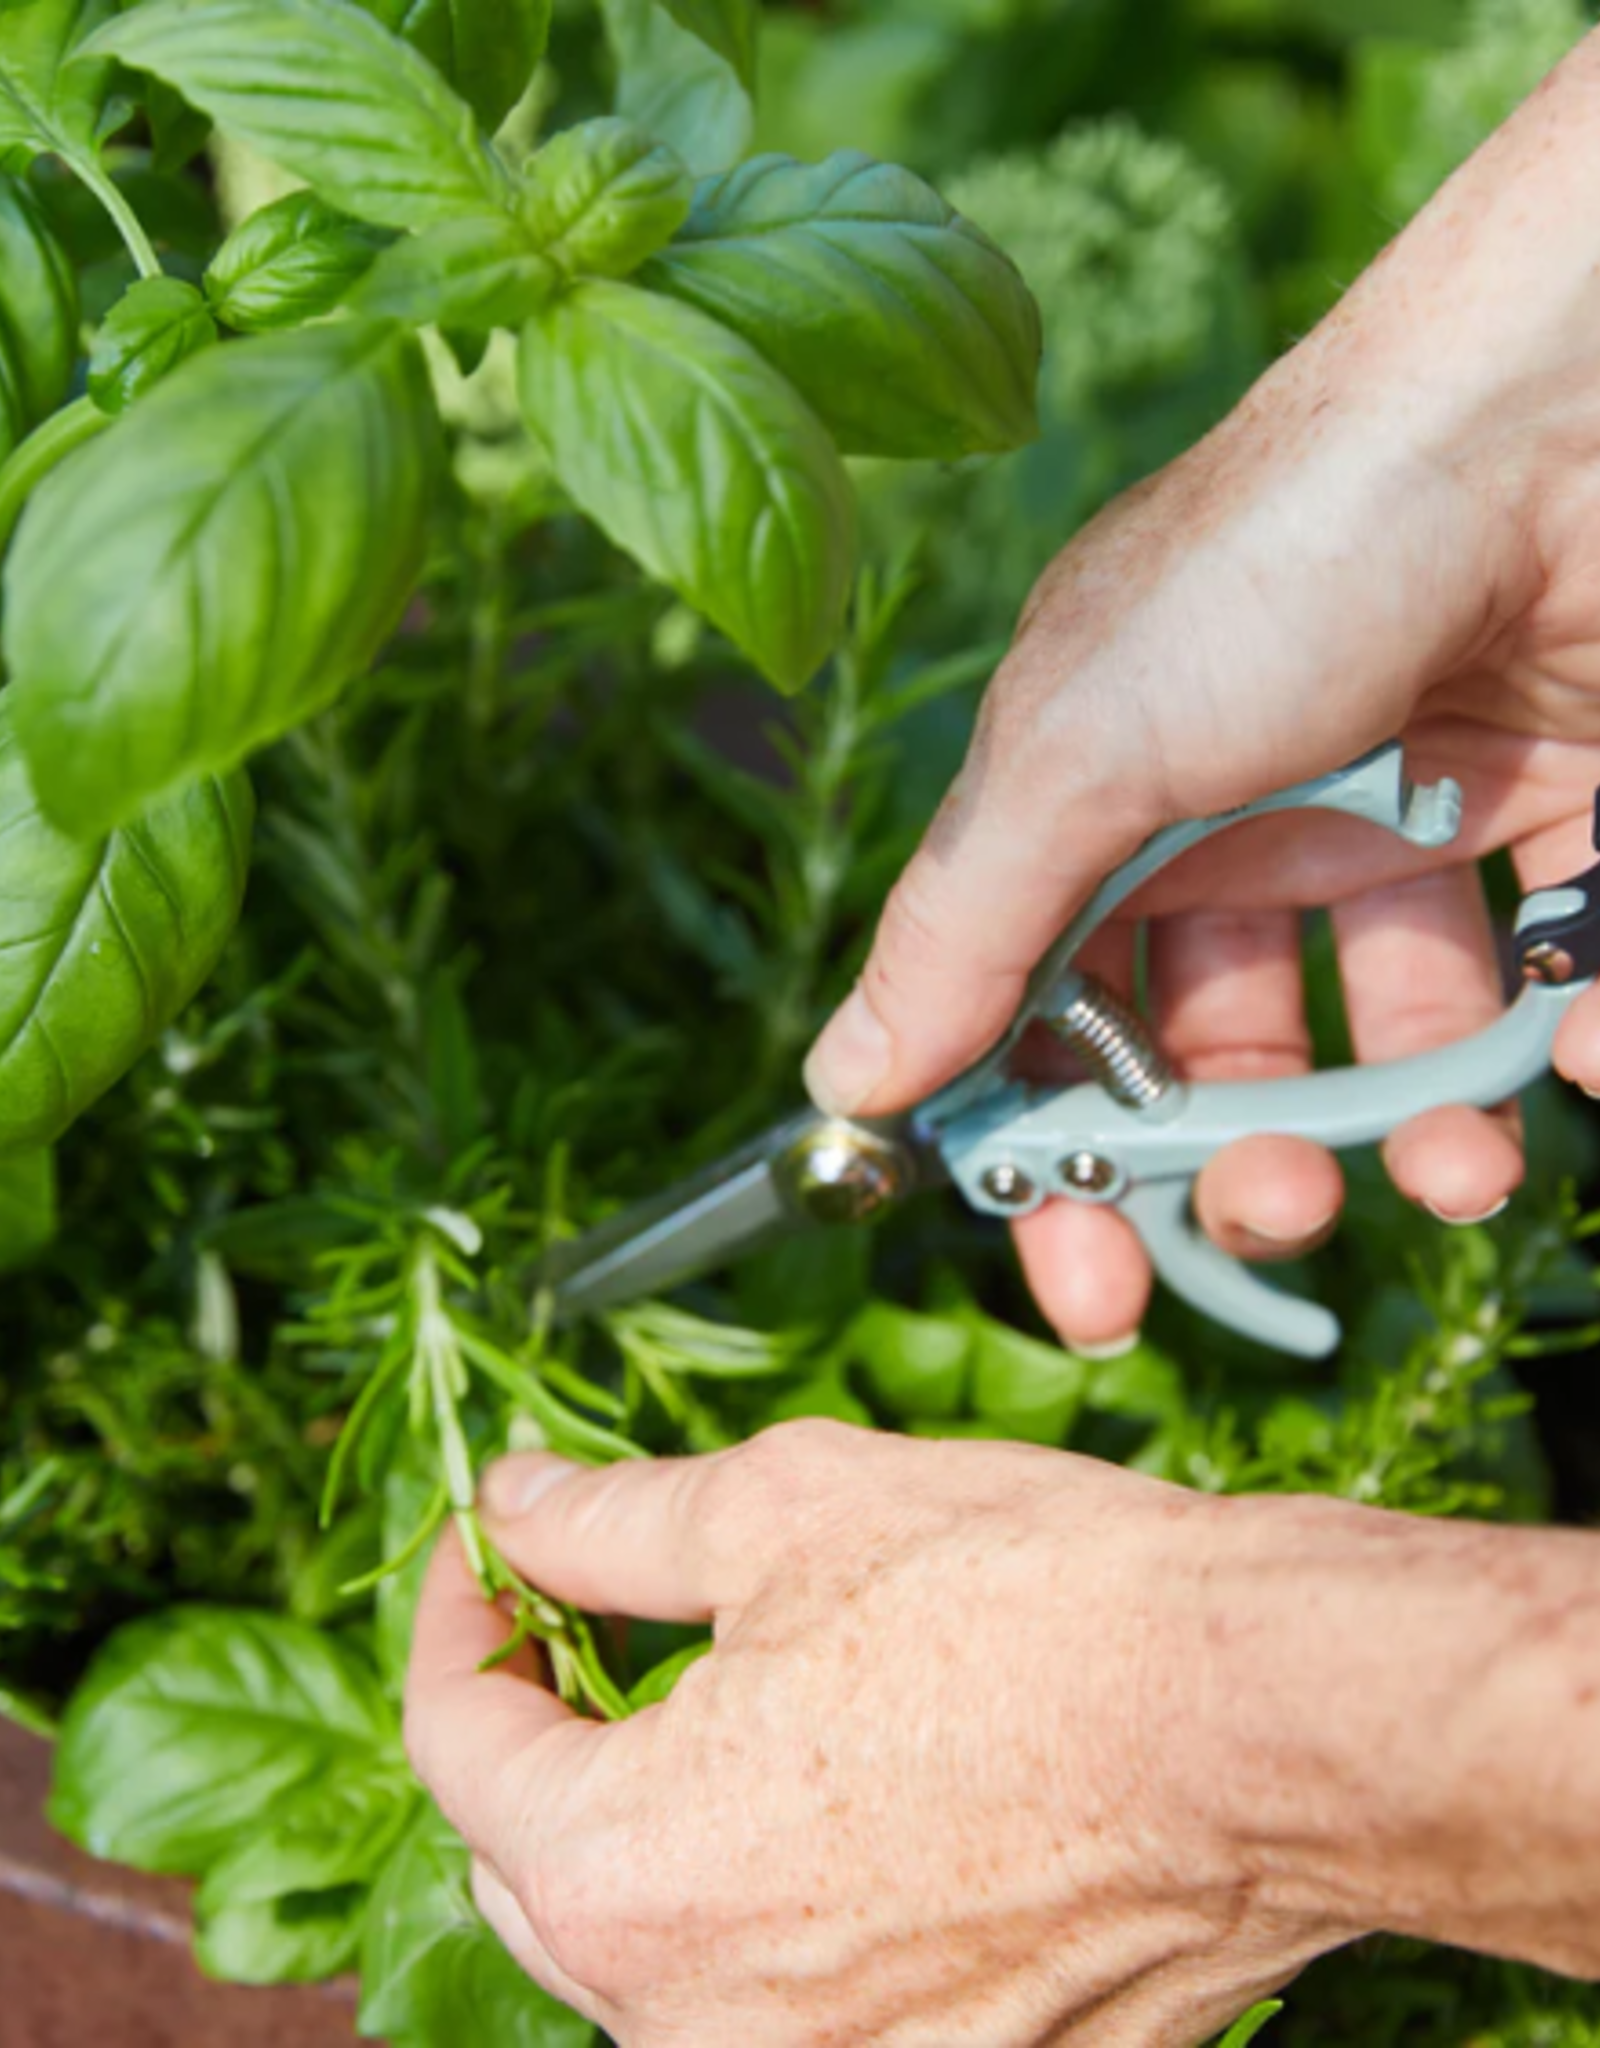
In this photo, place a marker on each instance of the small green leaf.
(726, 26)
(27, 1207)
(218, 566)
(1243, 2031)
(468, 274)
(291, 261)
(408, 1494)
(102, 943)
(321, 88)
(38, 316)
(678, 1342)
(695, 456)
(488, 49)
(1031, 1390)
(603, 196)
(677, 87)
(902, 324)
(661, 1681)
(191, 1725)
(828, 1394)
(918, 1365)
(48, 103)
(301, 1939)
(1141, 1385)
(432, 1974)
(156, 324)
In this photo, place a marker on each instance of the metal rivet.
(1008, 1184)
(1546, 961)
(841, 1174)
(1087, 1172)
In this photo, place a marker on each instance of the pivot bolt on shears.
(1133, 1133)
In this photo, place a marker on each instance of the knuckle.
(800, 1452)
(575, 1919)
(588, 1913)
(912, 937)
(781, 1470)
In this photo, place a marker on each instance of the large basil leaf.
(324, 90)
(38, 316)
(601, 196)
(157, 323)
(27, 1207)
(291, 261)
(190, 1725)
(336, 1831)
(433, 1975)
(47, 102)
(677, 87)
(463, 274)
(904, 325)
(488, 49)
(303, 1938)
(218, 566)
(696, 456)
(103, 942)
(287, 1903)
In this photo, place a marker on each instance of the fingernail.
(1592, 1093)
(1462, 1221)
(1112, 1347)
(850, 1059)
(512, 1485)
(1292, 1239)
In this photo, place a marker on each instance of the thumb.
(1018, 845)
(636, 1538)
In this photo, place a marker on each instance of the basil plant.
(227, 523)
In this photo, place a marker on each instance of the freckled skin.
(1114, 1761)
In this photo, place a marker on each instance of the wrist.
(1475, 339)
(1404, 1723)
(1455, 388)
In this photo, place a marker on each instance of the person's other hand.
(1398, 532)
(1004, 1748)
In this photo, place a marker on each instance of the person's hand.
(1000, 1748)
(1398, 532)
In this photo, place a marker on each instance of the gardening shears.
(1133, 1133)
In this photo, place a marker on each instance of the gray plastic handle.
(1010, 1147)
(1151, 1160)
(1219, 1286)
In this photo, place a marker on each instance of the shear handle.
(1375, 788)
(1080, 1144)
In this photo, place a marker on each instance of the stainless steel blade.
(691, 1228)
(809, 1170)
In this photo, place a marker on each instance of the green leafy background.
(550, 892)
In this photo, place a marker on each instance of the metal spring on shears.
(1114, 1043)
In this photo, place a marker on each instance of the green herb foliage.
(458, 490)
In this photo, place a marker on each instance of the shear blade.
(730, 1209)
